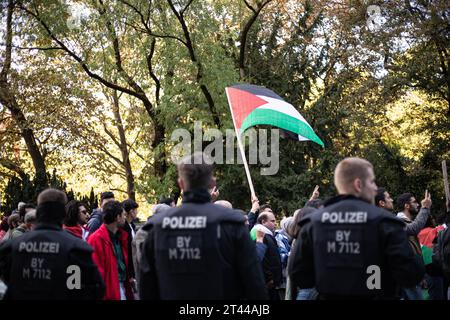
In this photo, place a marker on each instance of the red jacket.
(78, 231)
(105, 259)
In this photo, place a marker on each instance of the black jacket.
(39, 265)
(397, 262)
(127, 228)
(197, 277)
(272, 262)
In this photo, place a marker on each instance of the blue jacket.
(284, 247)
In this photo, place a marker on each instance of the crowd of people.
(352, 246)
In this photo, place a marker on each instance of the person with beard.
(76, 218)
(110, 243)
(351, 249)
(384, 200)
(415, 220)
(37, 265)
(409, 206)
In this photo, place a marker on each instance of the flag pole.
(241, 149)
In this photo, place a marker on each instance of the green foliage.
(382, 95)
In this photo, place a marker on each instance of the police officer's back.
(48, 262)
(350, 248)
(199, 250)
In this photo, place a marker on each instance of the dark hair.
(404, 199)
(4, 223)
(295, 227)
(380, 196)
(51, 206)
(431, 222)
(106, 195)
(13, 220)
(111, 210)
(440, 218)
(447, 218)
(196, 171)
(164, 200)
(316, 203)
(129, 205)
(73, 213)
(24, 208)
(264, 207)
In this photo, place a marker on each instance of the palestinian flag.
(253, 105)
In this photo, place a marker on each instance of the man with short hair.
(24, 209)
(13, 224)
(96, 219)
(414, 218)
(169, 201)
(383, 200)
(256, 209)
(199, 250)
(47, 263)
(28, 225)
(131, 209)
(414, 224)
(271, 263)
(110, 245)
(351, 249)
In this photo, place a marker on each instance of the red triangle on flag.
(242, 104)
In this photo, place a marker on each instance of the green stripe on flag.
(281, 120)
(427, 254)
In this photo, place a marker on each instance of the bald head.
(355, 176)
(224, 203)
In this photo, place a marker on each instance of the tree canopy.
(94, 89)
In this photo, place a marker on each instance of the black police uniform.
(340, 247)
(199, 251)
(35, 266)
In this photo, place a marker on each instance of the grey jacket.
(414, 227)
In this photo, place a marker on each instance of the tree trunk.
(160, 152)
(124, 148)
(9, 101)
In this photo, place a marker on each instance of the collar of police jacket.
(341, 197)
(197, 196)
(51, 226)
